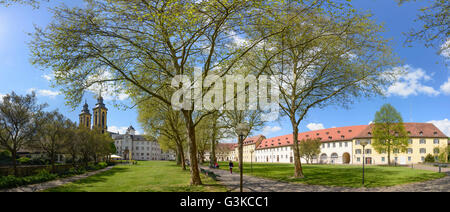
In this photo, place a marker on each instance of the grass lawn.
(338, 175)
(146, 176)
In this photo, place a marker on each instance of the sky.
(422, 95)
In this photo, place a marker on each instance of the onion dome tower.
(85, 117)
(100, 115)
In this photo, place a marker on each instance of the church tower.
(100, 114)
(85, 117)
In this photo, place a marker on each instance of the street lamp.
(363, 143)
(242, 130)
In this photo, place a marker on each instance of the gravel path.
(256, 184)
(54, 183)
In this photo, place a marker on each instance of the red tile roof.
(253, 140)
(415, 130)
(325, 135)
(225, 147)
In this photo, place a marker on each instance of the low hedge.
(44, 176)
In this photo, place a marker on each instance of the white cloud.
(443, 125)
(44, 92)
(121, 130)
(110, 90)
(445, 88)
(411, 83)
(48, 77)
(268, 130)
(315, 126)
(445, 49)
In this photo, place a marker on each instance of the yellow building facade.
(100, 116)
(424, 139)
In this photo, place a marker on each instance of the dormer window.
(317, 133)
(435, 133)
(328, 133)
(420, 133)
(307, 136)
(409, 132)
(338, 131)
(342, 136)
(369, 133)
(329, 137)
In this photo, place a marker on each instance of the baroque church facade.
(128, 145)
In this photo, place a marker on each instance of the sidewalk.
(255, 184)
(54, 183)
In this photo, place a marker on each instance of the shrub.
(24, 160)
(12, 181)
(429, 159)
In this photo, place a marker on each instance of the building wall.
(333, 152)
(401, 158)
(141, 150)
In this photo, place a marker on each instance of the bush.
(429, 159)
(12, 181)
(24, 160)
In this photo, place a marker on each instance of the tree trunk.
(52, 161)
(298, 172)
(182, 159)
(389, 154)
(195, 174)
(14, 154)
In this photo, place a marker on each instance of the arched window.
(103, 119)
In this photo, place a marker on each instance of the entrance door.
(369, 160)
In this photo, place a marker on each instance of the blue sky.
(421, 96)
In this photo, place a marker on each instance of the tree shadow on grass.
(100, 177)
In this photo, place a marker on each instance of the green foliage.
(309, 148)
(12, 181)
(24, 160)
(389, 131)
(429, 158)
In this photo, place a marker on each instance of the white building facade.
(138, 147)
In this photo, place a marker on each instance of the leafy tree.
(435, 25)
(51, 136)
(33, 3)
(18, 122)
(157, 41)
(72, 145)
(160, 121)
(309, 148)
(389, 131)
(328, 56)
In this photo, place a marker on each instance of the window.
(357, 151)
(396, 159)
(358, 159)
(409, 158)
(357, 142)
(410, 150)
(423, 141)
(368, 151)
(436, 150)
(422, 158)
(346, 145)
(382, 159)
(340, 144)
(395, 151)
(410, 141)
(328, 145)
(334, 145)
(423, 150)
(436, 141)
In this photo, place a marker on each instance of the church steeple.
(85, 116)
(100, 115)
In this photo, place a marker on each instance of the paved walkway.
(54, 183)
(255, 184)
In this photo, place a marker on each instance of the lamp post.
(363, 143)
(251, 160)
(242, 130)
